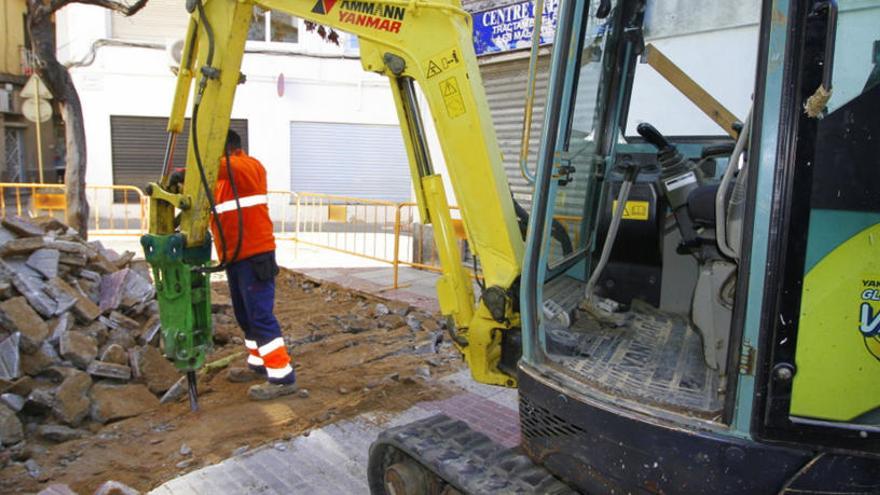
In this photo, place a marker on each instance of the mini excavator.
(693, 314)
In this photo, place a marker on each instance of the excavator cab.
(714, 328)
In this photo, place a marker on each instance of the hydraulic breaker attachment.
(184, 295)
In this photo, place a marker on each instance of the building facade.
(18, 142)
(308, 111)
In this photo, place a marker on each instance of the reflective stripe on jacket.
(250, 180)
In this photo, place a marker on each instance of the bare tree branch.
(121, 7)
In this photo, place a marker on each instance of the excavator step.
(465, 459)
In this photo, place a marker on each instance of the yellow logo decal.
(869, 316)
(634, 210)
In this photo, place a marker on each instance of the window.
(273, 27)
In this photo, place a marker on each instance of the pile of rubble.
(79, 332)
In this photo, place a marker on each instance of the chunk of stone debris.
(72, 401)
(175, 392)
(423, 371)
(109, 370)
(35, 471)
(36, 362)
(23, 246)
(115, 488)
(115, 353)
(40, 400)
(357, 325)
(58, 326)
(382, 309)
(11, 431)
(414, 323)
(185, 450)
(78, 348)
(44, 261)
(17, 315)
(12, 401)
(153, 368)
(30, 287)
(86, 311)
(150, 330)
(125, 287)
(113, 402)
(10, 358)
(59, 433)
(22, 226)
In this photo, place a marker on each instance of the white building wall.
(323, 83)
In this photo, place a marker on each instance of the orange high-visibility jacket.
(250, 180)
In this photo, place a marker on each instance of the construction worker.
(251, 267)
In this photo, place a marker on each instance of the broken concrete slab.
(12, 401)
(17, 315)
(44, 261)
(49, 223)
(109, 370)
(23, 246)
(119, 320)
(154, 369)
(97, 331)
(40, 400)
(78, 348)
(111, 290)
(11, 431)
(150, 330)
(22, 226)
(72, 402)
(30, 287)
(72, 259)
(60, 433)
(39, 361)
(69, 247)
(10, 359)
(115, 353)
(85, 310)
(121, 337)
(58, 326)
(114, 402)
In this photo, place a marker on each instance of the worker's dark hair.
(233, 141)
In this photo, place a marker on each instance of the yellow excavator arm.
(424, 43)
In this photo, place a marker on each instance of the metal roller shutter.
(358, 160)
(159, 20)
(505, 84)
(138, 147)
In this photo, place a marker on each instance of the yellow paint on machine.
(838, 342)
(634, 210)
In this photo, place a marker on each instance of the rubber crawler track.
(462, 457)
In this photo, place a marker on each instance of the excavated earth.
(353, 352)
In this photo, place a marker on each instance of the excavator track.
(444, 456)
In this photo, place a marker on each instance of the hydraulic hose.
(611, 236)
(721, 196)
(203, 82)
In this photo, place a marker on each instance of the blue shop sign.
(510, 28)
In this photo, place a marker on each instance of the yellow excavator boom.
(424, 44)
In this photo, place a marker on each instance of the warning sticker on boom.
(634, 210)
(443, 62)
(452, 97)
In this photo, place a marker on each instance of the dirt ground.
(348, 358)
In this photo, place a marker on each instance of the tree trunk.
(59, 82)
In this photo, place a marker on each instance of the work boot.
(269, 391)
(243, 375)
